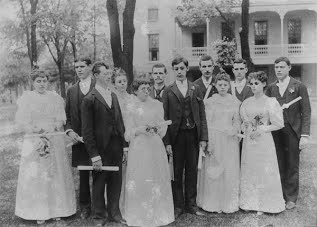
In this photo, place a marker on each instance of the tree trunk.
(33, 32)
(62, 79)
(244, 34)
(128, 37)
(115, 36)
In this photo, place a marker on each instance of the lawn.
(304, 215)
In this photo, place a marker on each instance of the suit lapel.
(190, 91)
(202, 85)
(291, 84)
(177, 92)
(100, 98)
(76, 98)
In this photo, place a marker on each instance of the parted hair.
(280, 59)
(116, 73)
(84, 59)
(260, 76)
(205, 58)
(35, 73)
(178, 60)
(222, 76)
(138, 82)
(159, 65)
(96, 68)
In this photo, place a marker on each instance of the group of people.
(211, 145)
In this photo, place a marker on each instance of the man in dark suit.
(159, 74)
(294, 136)
(184, 106)
(103, 134)
(239, 87)
(75, 95)
(206, 66)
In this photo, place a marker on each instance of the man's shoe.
(195, 212)
(178, 212)
(99, 222)
(290, 205)
(118, 220)
(85, 213)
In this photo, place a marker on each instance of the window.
(260, 32)
(198, 39)
(152, 14)
(154, 47)
(227, 30)
(294, 28)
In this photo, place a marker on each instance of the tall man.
(103, 134)
(294, 136)
(239, 87)
(183, 105)
(75, 95)
(206, 66)
(159, 74)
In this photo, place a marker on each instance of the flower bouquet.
(42, 146)
(252, 127)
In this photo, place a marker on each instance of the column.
(282, 14)
(208, 35)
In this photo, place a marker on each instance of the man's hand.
(169, 150)
(75, 137)
(203, 145)
(303, 142)
(97, 165)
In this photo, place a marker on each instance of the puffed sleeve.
(130, 126)
(23, 115)
(275, 116)
(60, 109)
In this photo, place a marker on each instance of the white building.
(277, 28)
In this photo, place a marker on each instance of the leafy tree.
(193, 13)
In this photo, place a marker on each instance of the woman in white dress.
(45, 187)
(218, 178)
(260, 183)
(120, 81)
(148, 195)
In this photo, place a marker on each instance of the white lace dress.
(260, 183)
(45, 184)
(148, 195)
(221, 193)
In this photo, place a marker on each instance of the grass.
(304, 215)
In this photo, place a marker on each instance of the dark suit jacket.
(152, 95)
(298, 114)
(245, 93)
(96, 121)
(173, 111)
(199, 82)
(73, 121)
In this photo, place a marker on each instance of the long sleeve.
(160, 117)
(166, 138)
(87, 116)
(203, 121)
(60, 110)
(130, 126)
(236, 119)
(243, 115)
(275, 116)
(23, 115)
(68, 125)
(305, 110)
